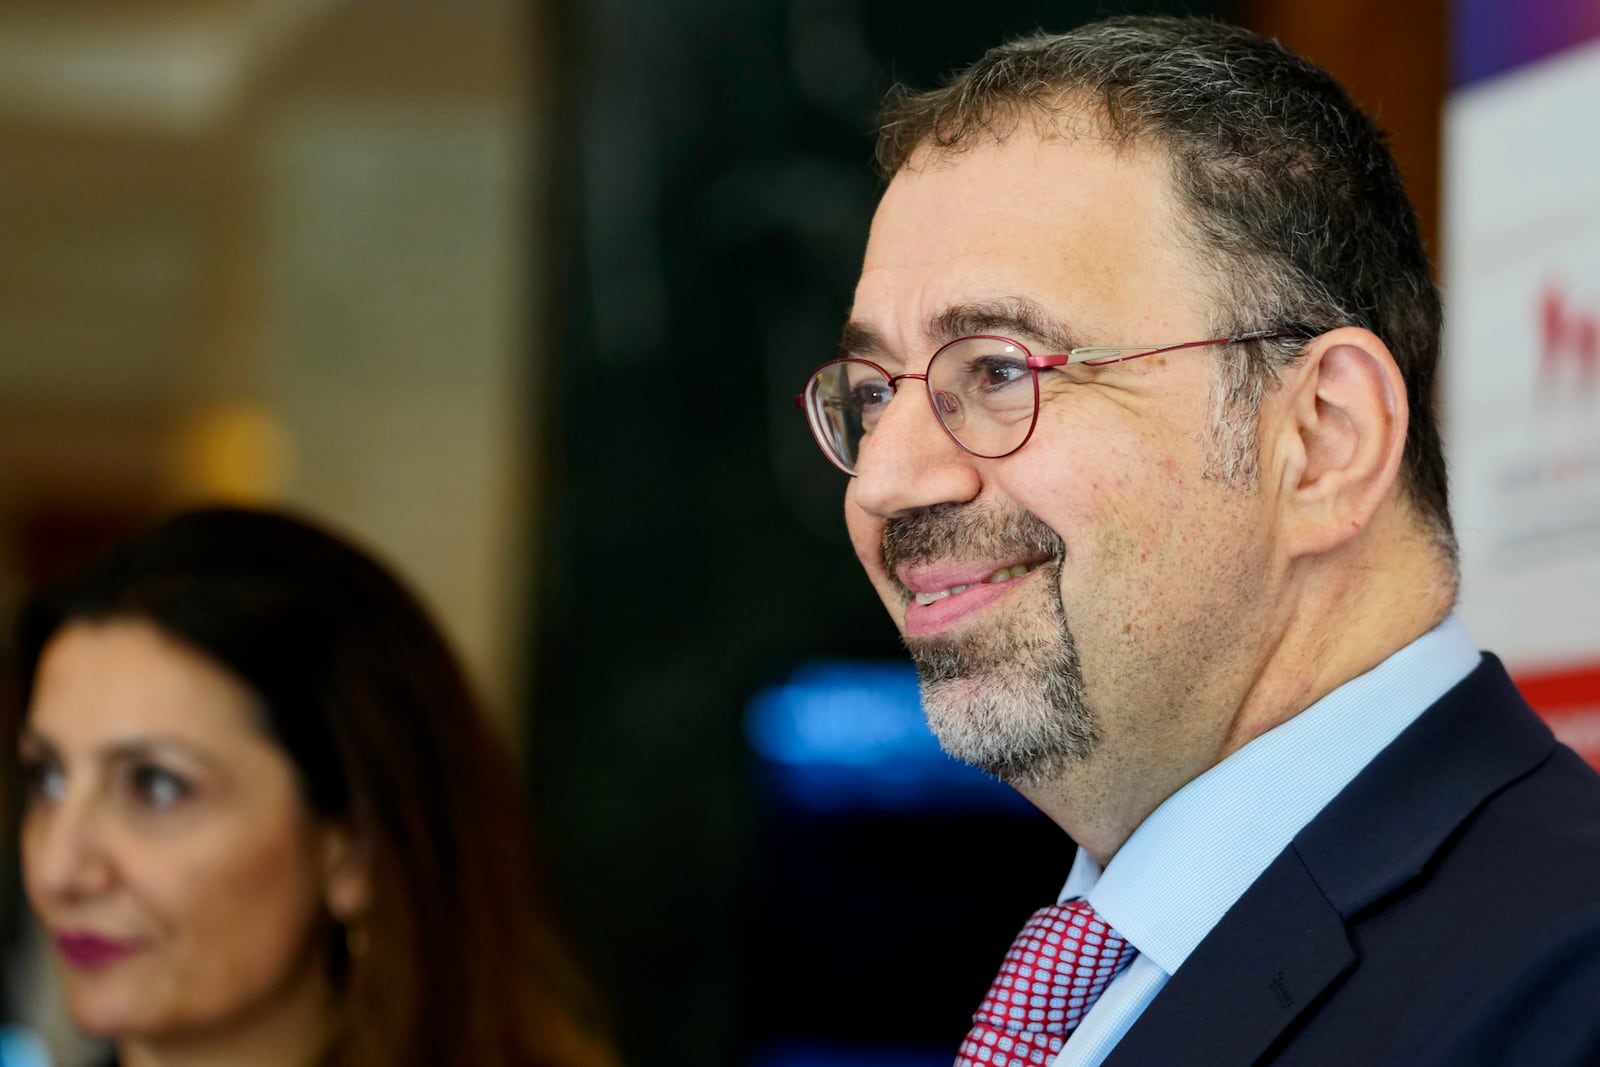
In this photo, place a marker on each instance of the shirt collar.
(1196, 854)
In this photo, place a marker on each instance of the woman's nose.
(64, 849)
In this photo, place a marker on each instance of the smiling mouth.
(1004, 574)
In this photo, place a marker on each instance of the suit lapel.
(1235, 995)
(1384, 828)
(1285, 941)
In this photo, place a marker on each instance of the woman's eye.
(156, 788)
(43, 781)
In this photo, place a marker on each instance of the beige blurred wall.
(277, 251)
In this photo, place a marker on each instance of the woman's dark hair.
(454, 962)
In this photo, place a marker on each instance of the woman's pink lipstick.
(91, 951)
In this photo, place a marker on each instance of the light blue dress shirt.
(1186, 865)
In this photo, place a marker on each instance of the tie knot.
(1059, 964)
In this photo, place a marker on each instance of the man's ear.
(1344, 433)
(346, 873)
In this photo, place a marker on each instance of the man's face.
(1086, 601)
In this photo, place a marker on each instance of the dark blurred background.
(520, 293)
(712, 220)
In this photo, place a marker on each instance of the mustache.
(962, 531)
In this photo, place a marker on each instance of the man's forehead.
(1028, 177)
(1052, 241)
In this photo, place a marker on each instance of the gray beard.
(1008, 700)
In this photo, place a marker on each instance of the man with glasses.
(1136, 397)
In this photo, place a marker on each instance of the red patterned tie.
(1056, 969)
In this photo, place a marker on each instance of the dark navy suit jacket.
(1442, 911)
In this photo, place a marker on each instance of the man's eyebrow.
(1016, 317)
(862, 342)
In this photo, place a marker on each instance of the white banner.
(1522, 358)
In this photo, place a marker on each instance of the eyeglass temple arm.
(1105, 355)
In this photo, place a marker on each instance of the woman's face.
(165, 846)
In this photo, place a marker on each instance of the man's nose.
(65, 849)
(909, 461)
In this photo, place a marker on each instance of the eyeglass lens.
(980, 388)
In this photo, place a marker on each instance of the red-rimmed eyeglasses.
(984, 390)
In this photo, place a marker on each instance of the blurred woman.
(266, 823)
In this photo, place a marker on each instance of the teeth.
(1004, 574)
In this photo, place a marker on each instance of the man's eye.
(870, 394)
(996, 372)
(156, 788)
